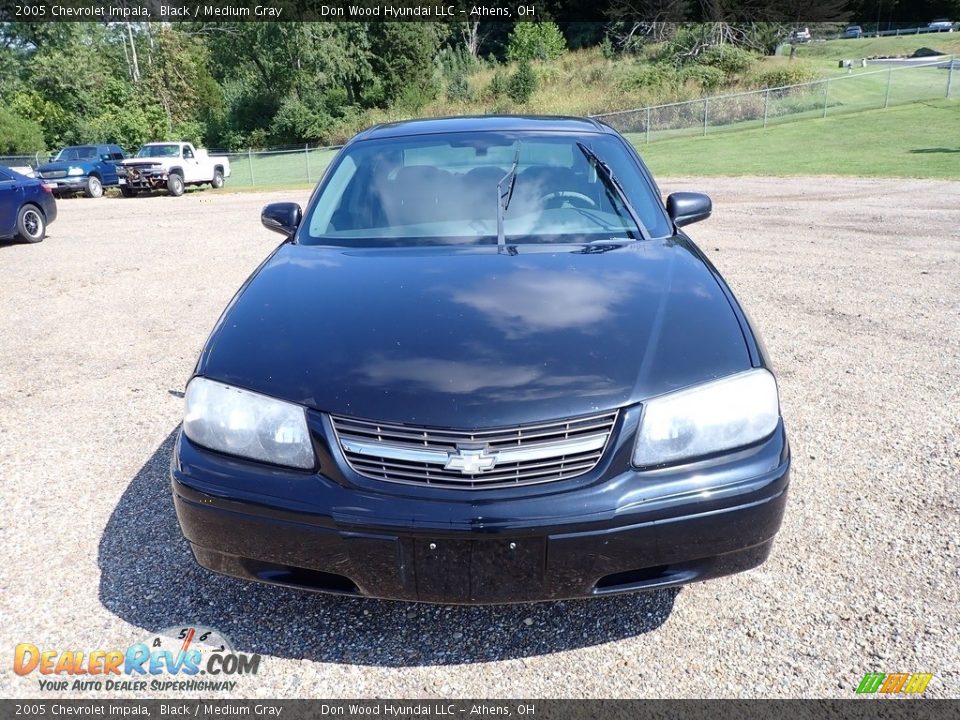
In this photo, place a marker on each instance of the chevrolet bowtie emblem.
(471, 462)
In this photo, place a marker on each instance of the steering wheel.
(569, 196)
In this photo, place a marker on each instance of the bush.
(643, 76)
(523, 83)
(19, 135)
(459, 89)
(457, 61)
(499, 85)
(782, 74)
(535, 41)
(727, 58)
(707, 77)
(607, 49)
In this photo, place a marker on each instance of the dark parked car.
(486, 365)
(26, 206)
(854, 31)
(83, 168)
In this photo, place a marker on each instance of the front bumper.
(69, 184)
(596, 535)
(143, 179)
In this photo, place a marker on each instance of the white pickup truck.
(171, 165)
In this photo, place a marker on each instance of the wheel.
(94, 188)
(217, 181)
(175, 185)
(127, 191)
(31, 225)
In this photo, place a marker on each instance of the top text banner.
(292, 10)
(380, 10)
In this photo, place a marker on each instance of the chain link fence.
(873, 89)
(284, 166)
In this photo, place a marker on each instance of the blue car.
(83, 168)
(27, 206)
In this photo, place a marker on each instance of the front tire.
(94, 188)
(175, 185)
(217, 181)
(31, 225)
(127, 191)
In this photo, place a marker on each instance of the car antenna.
(611, 182)
(504, 198)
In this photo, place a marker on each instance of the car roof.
(480, 123)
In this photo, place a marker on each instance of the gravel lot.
(855, 285)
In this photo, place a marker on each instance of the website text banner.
(46, 709)
(202, 11)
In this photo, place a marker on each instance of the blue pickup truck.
(82, 168)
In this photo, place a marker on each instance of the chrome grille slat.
(535, 453)
(567, 470)
(506, 468)
(434, 440)
(387, 427)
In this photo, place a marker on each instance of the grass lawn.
(270, 170)
(948, 43)
(920, 140)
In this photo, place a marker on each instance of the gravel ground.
(855, 285)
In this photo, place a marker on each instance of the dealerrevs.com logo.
(894, 683)
(190, 659)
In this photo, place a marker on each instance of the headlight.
(240, 422)
(75, 171)
(719, 415)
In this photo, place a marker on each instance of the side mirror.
(282, 217)
(688, 207)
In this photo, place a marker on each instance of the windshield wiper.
(504, 198)
(613, 185)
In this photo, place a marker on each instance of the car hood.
(64, 165)
(468, 337)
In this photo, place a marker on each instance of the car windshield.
(79, 152)
(150, 151)
(443, 189)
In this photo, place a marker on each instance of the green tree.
(176, 77)
(403, 63)
(458, 90)
(271, 96)
(523, 83)
(19, 135)
(535, 41)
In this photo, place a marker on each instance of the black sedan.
(486, 365)
(27, 206)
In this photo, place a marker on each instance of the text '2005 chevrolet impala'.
(485, 366)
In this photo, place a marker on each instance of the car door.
(106, 165)
(191, 166)
(10, 197)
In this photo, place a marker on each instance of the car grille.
(53, 174)
(494, 458)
